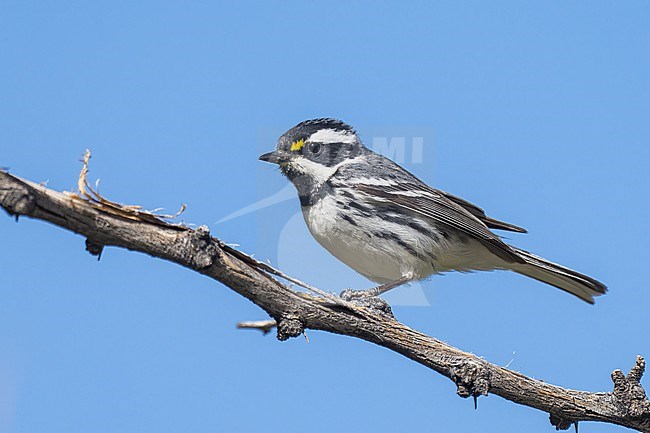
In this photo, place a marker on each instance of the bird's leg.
(350, 294)
(370, 298)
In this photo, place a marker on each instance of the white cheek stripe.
(318, 172)
(332, 136)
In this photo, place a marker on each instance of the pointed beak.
(274, 157)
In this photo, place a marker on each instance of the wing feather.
(436, 205)
(480, 214)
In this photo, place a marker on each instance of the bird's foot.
(368, 299)
(351, 295)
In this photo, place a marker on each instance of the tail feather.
(580, 285)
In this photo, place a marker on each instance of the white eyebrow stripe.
(332, 136)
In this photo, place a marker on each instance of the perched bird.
(388, 225)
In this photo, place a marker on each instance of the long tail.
(577, 284)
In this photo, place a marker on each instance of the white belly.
(380, 258)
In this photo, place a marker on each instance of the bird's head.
(311, 152)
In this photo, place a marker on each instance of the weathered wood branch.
(263, 325)
(294, 311)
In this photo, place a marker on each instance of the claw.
(351, 295)
(368, 299)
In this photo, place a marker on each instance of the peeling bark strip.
(295, 311)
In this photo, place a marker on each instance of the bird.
(391, 227)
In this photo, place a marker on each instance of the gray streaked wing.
(480, 214)
(432, 204)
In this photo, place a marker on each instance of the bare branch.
(263, 325)
(295, 311)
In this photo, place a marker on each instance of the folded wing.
(456, 214)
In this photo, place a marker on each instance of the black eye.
(315, 148)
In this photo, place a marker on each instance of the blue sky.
(537, 112)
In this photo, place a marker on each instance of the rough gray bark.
(102, 225)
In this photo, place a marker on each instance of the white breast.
(381, 259)
(376, 258)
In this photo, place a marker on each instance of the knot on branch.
(471, 378)
(202, 247)
(561, 423)
(628, 392)
(17, 201)
(288, 327)
(94, 248)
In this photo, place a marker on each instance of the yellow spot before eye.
(297, 145)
